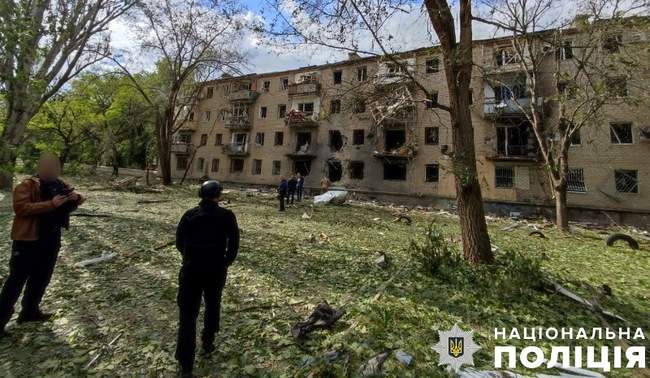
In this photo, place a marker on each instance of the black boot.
(34, 317)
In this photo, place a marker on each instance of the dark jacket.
(208, 237)
(283, 187)
(301, 182)
(292, 185)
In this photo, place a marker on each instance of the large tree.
(579, 53)
(345, 24)
(44, 44)
(194, 40)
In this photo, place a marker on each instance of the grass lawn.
(281, 275)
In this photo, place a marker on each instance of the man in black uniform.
(208, 238)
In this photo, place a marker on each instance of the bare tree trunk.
(164, 150)
(560, 190)
(15, 125)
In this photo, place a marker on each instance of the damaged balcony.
(242, 122)
(236, 149)
(247, 96)
(495, 108)
(515, 143)
(395, 146)
(309, 87)
(302, 149)
(300, 119)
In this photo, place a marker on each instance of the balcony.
(236, 149)
(298, 119)
(243, 95)
(404, 152)
(304, 152)
(305, 88)
(181, 148)
(238, 122)
(509, 108)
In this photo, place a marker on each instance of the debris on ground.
(334, 197)
(404, 219)
(324, 316)
(382, 261)
(373, 367)
(592, 305)
(537, 233)
(403, 357)
(96, 260)
(631, 242)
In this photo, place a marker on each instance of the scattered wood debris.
(324, 316)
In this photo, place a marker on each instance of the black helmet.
(210, 189)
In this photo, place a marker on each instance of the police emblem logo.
(456, 348)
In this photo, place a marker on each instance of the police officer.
(208, 239)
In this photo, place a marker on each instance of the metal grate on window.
(626, 181)
(504, 177)
(576, 181)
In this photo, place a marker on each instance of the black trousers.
(192, 285)
(300, 190)
(30, 267)
(281, 199)
(291, 196)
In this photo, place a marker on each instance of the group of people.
(288, 190)
(207, 238)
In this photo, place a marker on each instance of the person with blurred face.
(42, 206)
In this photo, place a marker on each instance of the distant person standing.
(300, 188)
(42, 204)
(292, 185)
(283, 189)
(324, 184)
(208, 239)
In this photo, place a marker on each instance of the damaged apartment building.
(368, 128)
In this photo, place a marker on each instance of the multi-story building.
(362, 125)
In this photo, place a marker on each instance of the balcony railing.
(297, 118)
(523, 152)
(236, 149)
(238, 122)
(305, 88)
(181, 148)
(509, 107)
(305, 151)
(243, 95)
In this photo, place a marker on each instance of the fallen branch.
(595, 307)
(152, 201)
(102, 351)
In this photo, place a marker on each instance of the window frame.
(613, 133)
(581, 186)
(426, 173)
(626, 172)
(511, 178)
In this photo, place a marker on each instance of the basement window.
(576, 181)
(336, 140)
(621, 133)
(504, 177)
(358, 137)
(627, 181)
(236, 165)
(431, 135)
(356, 170)
(334, 170)
(394, 171)
(277, 167)
(432, 173)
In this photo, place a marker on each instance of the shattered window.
(181, 162)
(336, 140)
(394, 171)
(338, 77)
(626, 180)
(257, 167)
(215, 165)
(431, 135)
(218, 139)
(432, 173)
(433, 65)
(504, 177)
(362, 73)
(356, 170)
(335, 170)
(237, 165)
(576, 180)
(358, 137)
(279, 138)
(277, 167)
(621, 133)
(335, 106)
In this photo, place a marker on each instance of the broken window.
(612, 43)
(576, 140)
(263, 111)
(432, 99)
(277, 167)
(284, 83)
(336, 140)
(431, 135)
(567, 50)
(266, 86)
(504, 177)
(185, 138)
(432, 172)
(338, 77)
(191, 117)
(394, 171)
(218, 139)
(204, 139)
(303, 141)
(279, 138)
(394, 139)
(513, 140)
(200, 162)
(236, 165)
(239, 109)
(394, 69)
(215, 165)
(626, 180)
(576, 180)
(621, 133)
(356, 170)
(358, 137)
(505, 56)
(206, 115)
(335, 106)
(433, 65)
(209, 92)
(181, 162)
(302, 166)
(616, 86)
(334, 170)
(362, 73)
(282, 111)
(306, 107)
(257, 167)
(259, 139)
(358, 105)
